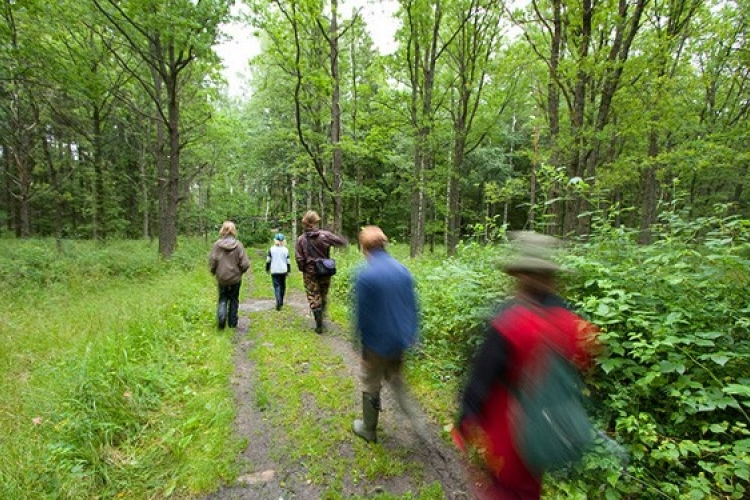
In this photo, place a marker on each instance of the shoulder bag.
(322, 265)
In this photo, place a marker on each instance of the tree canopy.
(543, 115)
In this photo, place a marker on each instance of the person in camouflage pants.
(316, 289)
(315, 243)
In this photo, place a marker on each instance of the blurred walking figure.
(277, 263)
(314, 245)
(535, 321)
(228, 261)
(385, 305)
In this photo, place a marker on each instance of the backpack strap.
(310, 245)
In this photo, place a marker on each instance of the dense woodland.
(622, 124)
(114, 120)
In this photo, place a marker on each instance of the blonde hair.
(310, 219)
(228, 229)
(372, 237)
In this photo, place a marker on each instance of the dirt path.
(264, 477)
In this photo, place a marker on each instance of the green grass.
(307, 393)
(114, 385)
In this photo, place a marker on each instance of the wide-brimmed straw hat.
(534, 253)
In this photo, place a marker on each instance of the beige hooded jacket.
(228, 261)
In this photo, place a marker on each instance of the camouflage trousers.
(316, 289)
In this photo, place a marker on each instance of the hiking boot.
(318, 315)
(367, 428)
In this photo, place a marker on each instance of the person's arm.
(244, 260)
(360, 291)
(288, 263)
(268, 262)
(489, 367)
(333, 239)
(299, 253)
(213, 261)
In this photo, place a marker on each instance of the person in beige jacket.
(228, 262)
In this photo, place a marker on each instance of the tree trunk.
(162, 181)
(293, 207)
(7, 192)
(553, 103)
(145, 200)
(531, 219)
(648, 190)
(454, 203)
(168, 225)
(338, 153)
(98, 184)
(56, 192)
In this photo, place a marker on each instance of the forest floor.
(296, 393)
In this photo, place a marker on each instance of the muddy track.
(261, 477)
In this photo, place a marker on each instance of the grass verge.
(116, 389)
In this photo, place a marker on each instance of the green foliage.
(29, 264)
(671, 386)
(114, 388)
(674, 323)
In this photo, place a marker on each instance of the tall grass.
(114, 382)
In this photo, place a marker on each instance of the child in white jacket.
(278, 264)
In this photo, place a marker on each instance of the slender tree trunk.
(553, 107)
(56, 192)
(7, 191)
(454, 202)
(338, 153)
(98, 184)
(648, 190)
(531, 219)
(293, 207)
(144, 184)
(358, 179)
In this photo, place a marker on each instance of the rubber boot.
(367, 428)
(318, 314)
(221, 314)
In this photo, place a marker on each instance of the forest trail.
(267, 471)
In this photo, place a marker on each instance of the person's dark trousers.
(230, 296)
(279, 288)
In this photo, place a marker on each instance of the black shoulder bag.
(322, 265)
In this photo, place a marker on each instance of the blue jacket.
(385, 305)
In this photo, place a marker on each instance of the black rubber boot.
(221, 314)
(368, 427)
(318, 315)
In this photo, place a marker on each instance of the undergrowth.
(117, 388)
(115, 382)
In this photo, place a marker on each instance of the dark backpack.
(551, 428)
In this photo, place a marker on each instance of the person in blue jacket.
(386, 325)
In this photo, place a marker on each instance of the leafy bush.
(673, 385)
(30, 264)
(673, 382)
